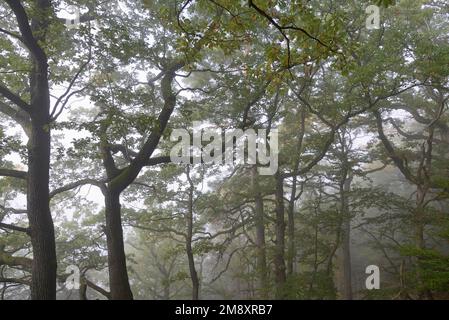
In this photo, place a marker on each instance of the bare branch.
(74, 185)
(97, 288)
(14, 98)
(13, 174)
(14, 228)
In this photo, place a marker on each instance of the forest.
(224, 150)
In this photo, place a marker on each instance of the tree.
(25, 91)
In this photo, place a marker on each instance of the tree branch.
(14, 280)
(97, 288)
(14, 228)
(12, 261)
(13, 174)
(75, 185)
(27, 35)
(19, 116)
(14, 98)
(12, 34)
(398, 161)
(13, 211)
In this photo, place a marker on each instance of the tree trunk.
(419, 238)
(119, 180)
(261, 263)
(291, 229)
(279, 260)
(189, 251)
(346, 239)
(419, 217)
(43, 283)
(193, 273)
(118, 274)
(43, 280)
(43, 267)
